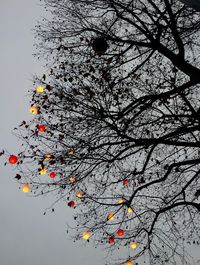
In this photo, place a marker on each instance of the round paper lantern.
(130, 210)
(133, 245)
(72, 179)
(110, 216)
(129, 262)
(125, 182)
(86, 235)
(43, 171)
(40, 89)
(120, 232)
(120, 201)
(41, 128)
(71, 204)
(34, 110)
(111, 240)
(79, 194)
(12, 159)
(26, 188)
(52, 175)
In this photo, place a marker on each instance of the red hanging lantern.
(71, 204)
(125, 182)
(41, 128)
(120, 232)
(52, 175)
(111, 240)
(12, 159)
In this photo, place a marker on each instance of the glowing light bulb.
(72, 179)
(43, 171)
(52, 175)
(34, 110)
(129, 262)
(41, 128)
(79, 194)
(130, 210)
(86, 235)
(120, 201)
(133, 245)
(12, 159)
(110, 217)
(40, 89)
(26, 188)
(120, 232)
(47, 156)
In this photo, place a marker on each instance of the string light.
(26, 188)
(40, 89)
(12, 159)
(133, 245)
(86, 235)
(34, 110)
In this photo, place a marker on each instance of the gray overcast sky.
(27, 237)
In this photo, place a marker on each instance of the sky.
(27, 237)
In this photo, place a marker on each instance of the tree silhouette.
(116, 125)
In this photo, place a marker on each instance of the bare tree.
(117, 125)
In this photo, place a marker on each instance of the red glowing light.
(71, 204)
(52, 175)
(12, 159)
(41, 128)
(111, 240)
(125, 182)
(120, 232)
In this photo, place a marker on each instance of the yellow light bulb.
(110, 217)
(26, 188)
(71, 152)
(34, 110)
(40, 89)
(86, 235)
(133, 245)
(72, 179)
(129, 262)
(130, 210)
(79, 194)
(120, 201)
(47, 156)
(43, 171)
